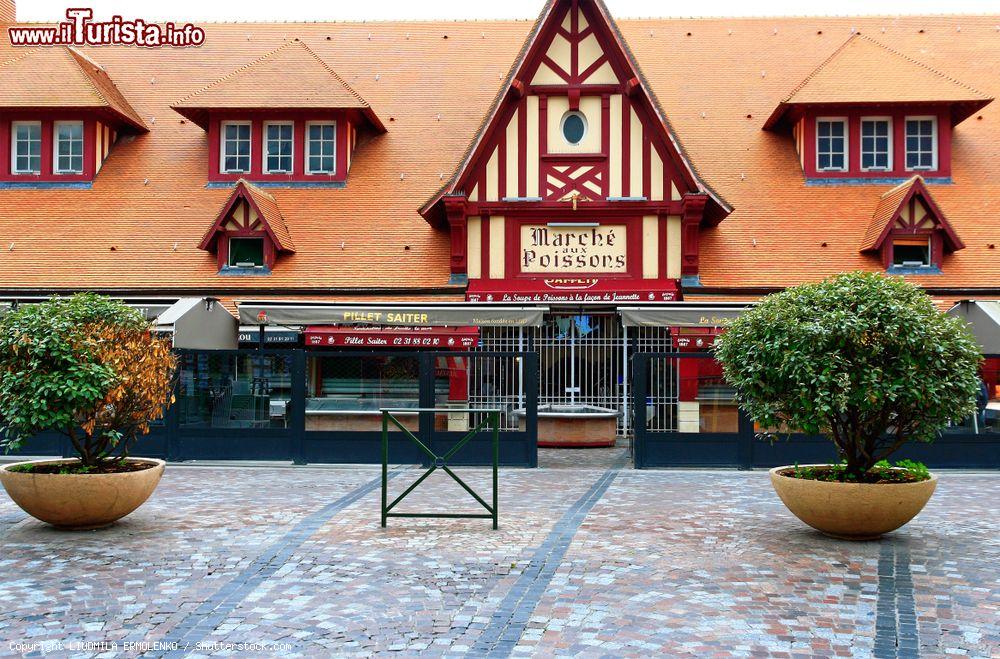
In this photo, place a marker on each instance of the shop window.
(921, 143)
(68, 156)
(246, 252)
(26, 147)
(986, 420)
(279, 138)
(574, 127)
(876, 144)
(346, 392)
(236, 147)
(911, 253)
(233, 391)
(321, 148)
(831, 145)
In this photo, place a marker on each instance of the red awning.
(339, 336)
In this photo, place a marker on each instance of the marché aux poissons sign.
(546, 248)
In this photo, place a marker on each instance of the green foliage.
(52, 373)
(905, 471)
(862, 358)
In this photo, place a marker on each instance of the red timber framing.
(803, 123)
(346, 122)
(98, 138)
(914, 219)
(628, 167)
(248, 213)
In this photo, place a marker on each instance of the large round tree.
(86, 366)
(864, 359)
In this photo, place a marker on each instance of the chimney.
(6, 11)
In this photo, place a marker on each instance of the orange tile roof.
(267, 209)
(885, 212)
(368, 238)
(292, 76)
(62, 77)
(863, 70)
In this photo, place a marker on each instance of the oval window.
(574, 127)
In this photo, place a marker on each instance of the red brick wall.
(6, 11)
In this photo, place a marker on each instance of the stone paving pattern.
(593, 560)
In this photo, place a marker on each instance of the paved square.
(596, 561)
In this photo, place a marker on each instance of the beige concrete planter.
(852, 511)
(80, 501)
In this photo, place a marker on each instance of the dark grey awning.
(983, 317)
(199, 324)
(681, 314)
(410, 314)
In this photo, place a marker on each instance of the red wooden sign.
(573, 289)
(453, 338)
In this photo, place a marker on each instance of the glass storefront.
(346, 392)
(986, 420)
(233, 391)
(689, 395)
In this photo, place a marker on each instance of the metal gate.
(584, 360)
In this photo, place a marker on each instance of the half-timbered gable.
(575, 154)
(909, 230)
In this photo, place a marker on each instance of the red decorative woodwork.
(854, 115)
(455, 210)
(694, 212)
(346, 121)
(269, 225)
(573, 289)
(923, 220)
(577, 185)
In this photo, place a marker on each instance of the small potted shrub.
(869, 362)
(90, 368)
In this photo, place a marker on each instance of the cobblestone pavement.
(588, 561)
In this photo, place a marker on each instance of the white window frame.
(13, 148)
(847, 143)
(861, 144)
(55, 149)
(266, 154)
(934, 143)
(562, 127)
(222, 147)
(308, 147)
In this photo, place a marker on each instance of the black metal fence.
(324, 407)
(686, 415)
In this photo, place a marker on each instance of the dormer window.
(235, 147)
(269, 126)
(921, 143)
(876, 144)
(321, 149)
(915, 110)
(60, 116)
(910, 232)
(68, 156)
(279, 138)
(831, 144)
(26, 147)
(249, 233)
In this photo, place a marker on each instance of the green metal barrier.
(491, 419)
